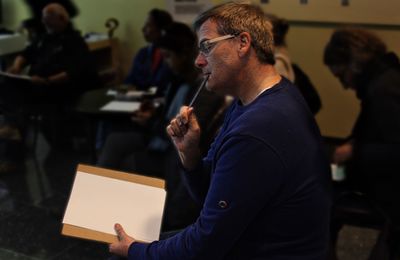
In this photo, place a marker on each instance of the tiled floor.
(33, 199)
(355, 243)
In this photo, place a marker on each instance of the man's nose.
(200, 61)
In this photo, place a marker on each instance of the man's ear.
(244, 43)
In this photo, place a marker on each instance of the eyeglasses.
(206, 46)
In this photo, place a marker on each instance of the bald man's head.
(55, 18)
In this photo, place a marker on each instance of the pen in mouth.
(199, 89)
(195, 95)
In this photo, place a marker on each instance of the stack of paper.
(121, 106)
(100, 198)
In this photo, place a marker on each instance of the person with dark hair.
(263, 185)
(360, 60)
(286, 68)
(148, 68)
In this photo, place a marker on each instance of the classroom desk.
(91, 102)
(89, 107)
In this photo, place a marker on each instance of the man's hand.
(124, 241)
(184, 131)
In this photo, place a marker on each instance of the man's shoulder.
(277, 109)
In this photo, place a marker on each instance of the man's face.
(53, 22)
(220, 60)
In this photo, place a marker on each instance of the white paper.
(121, 106)
(135, 93)
(98, 202)
(16, 76)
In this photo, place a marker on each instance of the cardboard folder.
(100, 198)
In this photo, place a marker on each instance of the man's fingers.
(184, 114)
(121, 247)
(179, 125)
(176, 129)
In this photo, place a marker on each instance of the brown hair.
(233, 18)
(354, 48)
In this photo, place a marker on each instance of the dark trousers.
(18, 97)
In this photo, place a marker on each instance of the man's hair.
(234, 18)
(354, 48)
(161, 18)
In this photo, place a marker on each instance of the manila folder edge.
(100, 198)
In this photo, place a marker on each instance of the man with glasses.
(264, 183)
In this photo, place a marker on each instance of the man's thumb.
(192, 117)
(120, 232)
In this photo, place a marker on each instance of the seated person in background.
(60, 67)
(148, 68)
(34, 25)
(361, 62)
(286, 68)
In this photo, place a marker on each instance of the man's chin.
(215, 90)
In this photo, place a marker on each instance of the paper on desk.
(15, 76)
(130, 95)
(98, 202)
(135, 93)
(121, 106)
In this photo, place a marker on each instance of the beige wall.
(92, 16)
(306, 42)
(131, 15)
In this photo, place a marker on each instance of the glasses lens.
(205, 47)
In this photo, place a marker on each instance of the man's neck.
(257, 79)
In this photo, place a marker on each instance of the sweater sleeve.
(247, 175)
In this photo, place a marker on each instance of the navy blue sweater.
(264, 186)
